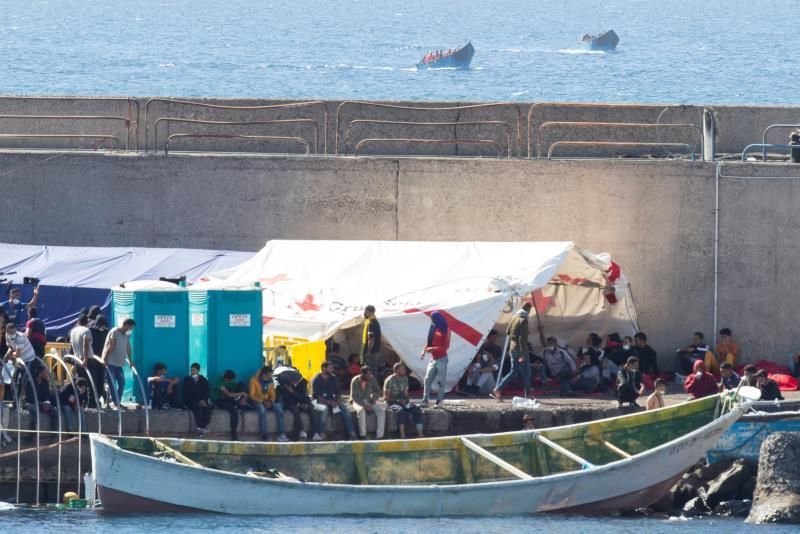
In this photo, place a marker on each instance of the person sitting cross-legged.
(395, 393)
(196, 392)
(365, 393)
(325, 393)
(262, 397)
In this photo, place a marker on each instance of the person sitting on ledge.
(685, 358)
(262, 397)
(365, 393)
(163, 393)
(292, 392)
(195, 395)
(730, 380)
(231, 397)
(73, 403)
(726, 349)
(769, 388)
(326, 395)
(700, 383)
(629, 382)
(395, 393)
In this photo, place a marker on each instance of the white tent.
(314, 288)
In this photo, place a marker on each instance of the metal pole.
(716, 248)
(709, 133)
(38, 423)
(95, 392)
(81, 415)
(145, 404)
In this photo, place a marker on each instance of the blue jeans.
(521, 369)
(277, 409)
(68, 413)
(347, 419)
(116, 374)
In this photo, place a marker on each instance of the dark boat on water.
(455, 59)
(604, 42)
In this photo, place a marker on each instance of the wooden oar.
(177, 455)
(34, 449)
(471, 445)
(558, 448)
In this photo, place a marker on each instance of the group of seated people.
(283, 390)
(436, 55)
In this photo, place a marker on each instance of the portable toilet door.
(161, 311)
(231, 335)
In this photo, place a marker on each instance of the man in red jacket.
(437, 345)
(700, 383)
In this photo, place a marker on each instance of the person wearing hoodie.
(437, 345)
(262, 397)
(700, 383)
(517, 332)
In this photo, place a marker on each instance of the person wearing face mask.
(116, 352)
(196, 391)
(16, 310)
(656, 399)
(19, 347)
(263, 398)
(480, 375)
(163, 393)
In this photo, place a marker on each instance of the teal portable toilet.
(225, 329)
(161, 312)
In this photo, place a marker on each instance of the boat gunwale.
(716, 422)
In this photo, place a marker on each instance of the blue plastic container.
(161, 312)
(225, 330)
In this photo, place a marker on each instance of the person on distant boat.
(196, 391)
(629, 382)
(292, 392)
(700, 383)
(770, 390)
(163, 393)
(371, 340)
(730, 380)
(437, 346)
(231, 397)
(327, 398)
(395, 393)
(656, 399)
(262, 397)
(365, 394)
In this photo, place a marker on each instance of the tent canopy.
(314, 288)
(76, 277)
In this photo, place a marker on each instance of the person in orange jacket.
(261, 395)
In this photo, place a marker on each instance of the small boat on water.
(744, 438)
(597, 467)
(604, 42)
(450, 59)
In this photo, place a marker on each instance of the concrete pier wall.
(656, 218)
(329, 129)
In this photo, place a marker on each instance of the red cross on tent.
(308, 304)
(461, 328)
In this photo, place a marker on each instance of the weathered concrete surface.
(777, 494)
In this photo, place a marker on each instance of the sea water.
(87, 521)
(684, 51)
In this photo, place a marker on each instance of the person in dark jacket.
(231, 396)
(36, 332)
(629, 382)
(73, 401)
(371, 340)
(769, 388)
(196, 392)
(94, 366)
(43, 395)
(292, 392)
(648, 359)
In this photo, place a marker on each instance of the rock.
(734, 508)
(686, 489)
(695, 508)
(777, 494)
(665, 504)
(726, 486)
(748, 489)
(710, 472)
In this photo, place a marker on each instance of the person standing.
(196, 391)
(16, 310)
(437, 345)
(116, 351)
(36, 332)
(395, 393)
(366, 397)
(371, 340)
(94, 367)
(517, 332)
(327, 396)
(80, 338)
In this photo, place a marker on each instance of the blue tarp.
(73, 278)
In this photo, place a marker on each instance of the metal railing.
(108, 118)
(352, 123)
(438, 109)
(618, 143)
(539, 106)
(433, 141)
(311, 122)
(206, 105)
(270, 138)
(613, 126)
(764, 147)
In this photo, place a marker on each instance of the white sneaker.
(317, 437)
(283, 438)
(303, 435)
(202, 431)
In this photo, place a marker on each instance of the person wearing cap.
(262, 397)
(770, 390)
(196, 391)
(629, 382)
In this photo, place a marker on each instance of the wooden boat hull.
(460, 59)
(134, 482)
(605, 42)
(744, 438)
